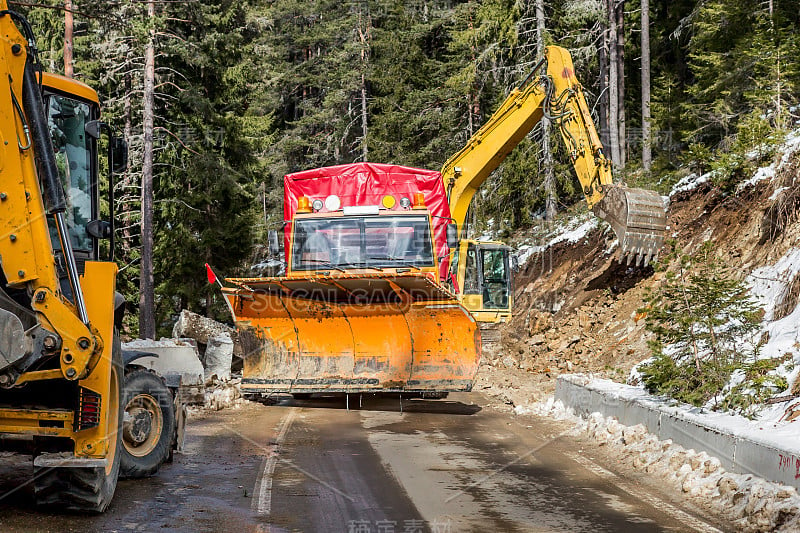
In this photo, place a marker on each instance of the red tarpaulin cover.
(361, 184)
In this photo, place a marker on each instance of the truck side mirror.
(452, 236)
(119, 152)
(514, 263)
(274, 244)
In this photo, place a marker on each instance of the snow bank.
(773, 433)
(752, 503)
(770, 286)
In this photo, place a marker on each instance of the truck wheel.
(148, 425)
(87, 489)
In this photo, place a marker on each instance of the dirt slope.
(576, 307)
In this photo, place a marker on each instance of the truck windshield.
(67, 119)
(362, 242)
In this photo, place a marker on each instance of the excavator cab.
(485, 268)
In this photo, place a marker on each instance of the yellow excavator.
(482, 269)
(69, 395)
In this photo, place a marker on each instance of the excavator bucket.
(639, 219)
(353, 333)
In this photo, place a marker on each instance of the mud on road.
(426, 465)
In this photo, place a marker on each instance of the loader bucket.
(353, 333)
(639, 220)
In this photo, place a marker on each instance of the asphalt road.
(438, 466)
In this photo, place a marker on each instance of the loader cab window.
(496, 279)
(67, 119)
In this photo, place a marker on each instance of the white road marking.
(262, 502)
(682, 516)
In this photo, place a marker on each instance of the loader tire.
(87, 489)
(149, 426)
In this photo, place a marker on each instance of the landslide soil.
(579, 310)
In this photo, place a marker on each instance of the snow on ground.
(761, 174)
(789, 146)
(690, 183)
(491, 233)
(770, 286)
(571, 230)
(751, 502)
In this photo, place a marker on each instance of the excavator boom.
(552, 91)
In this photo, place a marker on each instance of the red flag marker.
(212, 278)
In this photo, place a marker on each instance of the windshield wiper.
(364, 265)
(399, 260)
(324, 263)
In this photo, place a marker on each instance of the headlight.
(333, 203)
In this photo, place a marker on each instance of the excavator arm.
(637, 216)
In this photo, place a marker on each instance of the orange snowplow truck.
(360, 307)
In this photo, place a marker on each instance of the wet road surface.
(438, 466)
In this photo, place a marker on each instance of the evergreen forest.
(242, 92)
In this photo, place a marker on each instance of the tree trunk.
(613, 84)
(364, 36)
(646, 154)
(68, 32)
(127, 134)
(551, 198)
(620, 20)
(147, 320)
(603, 104)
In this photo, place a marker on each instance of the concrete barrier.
(768, 450)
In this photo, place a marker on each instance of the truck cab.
(395, 236)
(361, 306)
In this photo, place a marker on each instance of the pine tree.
(704, 322)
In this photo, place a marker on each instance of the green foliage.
(248, 91)
(682, 380)
(705, 325)
(698, 158)
(758, 385)
(753, 143)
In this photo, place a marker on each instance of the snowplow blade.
(638, 218)
(357, 333)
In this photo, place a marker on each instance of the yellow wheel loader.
(63, 395)
(482, 270)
